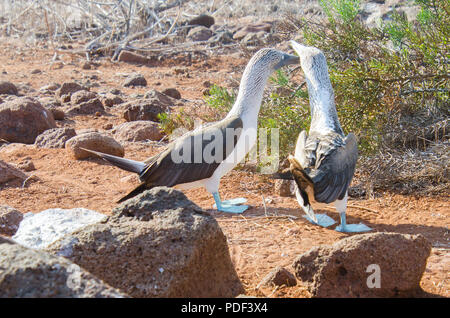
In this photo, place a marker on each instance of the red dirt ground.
(259, 240)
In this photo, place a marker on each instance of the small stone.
(172, 92)
(138, 131)
(203, 19)
(10, 173)
(94, 141)
(278, 277)
(26, 165)
(107, 126)
(10, 219)
(86, 66)
(200, 33)
(82, 96)
(111, 100)
(69, 88)
(8, 88)
(133, 58)
(135, 80)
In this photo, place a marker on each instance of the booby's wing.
(186, 159)
(334, 166)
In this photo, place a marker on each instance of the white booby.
(183, 162)
(325, 159)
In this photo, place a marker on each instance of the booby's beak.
(299, 48)
(287, 59)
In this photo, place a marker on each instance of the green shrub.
(384, 77)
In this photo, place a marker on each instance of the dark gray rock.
(157, 244)
(28, 273)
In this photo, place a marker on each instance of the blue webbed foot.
(322, 220)
(234, 201)
(233, 208)
(231, 205)
(353, 228)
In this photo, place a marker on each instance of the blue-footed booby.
(325, 159)
(203, 156)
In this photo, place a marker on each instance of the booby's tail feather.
(303, 182)
(122, 163)
(299, 174)
(138, 190)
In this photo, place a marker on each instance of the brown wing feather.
(165, 172)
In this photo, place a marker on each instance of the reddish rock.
(30, 273)
(138, 131)
(8, 88)
(10, 219)
(9, 173)
(200, 33)
(82, 96)
(135, 80)
(203, 19)
(278, 277)
(26, 165)
(162, 98)
(94, 141)
(147, 109)
(346, 268)
(58, 114)
(111, 100)
(89, 107)
(172, 92)
(67, 89)
(23, 119)
(133, 58)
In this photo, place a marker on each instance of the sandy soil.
(260, 239)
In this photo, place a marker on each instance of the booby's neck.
(248, 101)
(321, 100)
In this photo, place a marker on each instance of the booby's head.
(254, 79)
(261, 66)
(313, 62)
(270, 60)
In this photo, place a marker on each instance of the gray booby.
(325, 159)
(201, 157)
